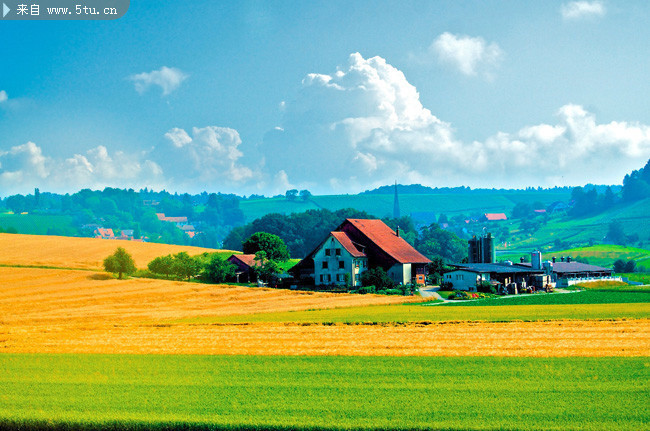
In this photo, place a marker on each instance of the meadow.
(327, 393)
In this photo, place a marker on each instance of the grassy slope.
(602, 255)
(327, 392)
(635, 218)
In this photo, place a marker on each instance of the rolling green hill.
(634, 217)
(601, 255)
(380, 205)
(33, 224)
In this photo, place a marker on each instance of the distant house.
(539, 212)
(244, 264)
(557, 207)
(126, 234)
(357, 245)
(104, 233)
(494, 217)
(178, 221)
(189, 230)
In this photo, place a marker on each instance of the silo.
(536, 259)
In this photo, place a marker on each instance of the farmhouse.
(357, 245)
(244, 266)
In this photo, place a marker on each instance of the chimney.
(522, 259)
(562, 258)
(553, 259)
(397, 230)
(568, 259)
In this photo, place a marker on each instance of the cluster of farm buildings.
(360, 244)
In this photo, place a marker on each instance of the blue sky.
(335, 97)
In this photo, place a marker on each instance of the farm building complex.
(357, 245)
(514, 277)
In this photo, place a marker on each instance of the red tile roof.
(248, 259)
(386, 239)
(347, 244)
(495, 216)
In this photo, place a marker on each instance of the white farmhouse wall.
(400, 273)
(465, 280)
(332, 261)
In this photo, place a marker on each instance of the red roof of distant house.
(247, 259)
(386, 239)
(161, 216)
(495, 216)
(540, 211)
(176, 219)
(347, 244)
(188, 227)
(105, 232)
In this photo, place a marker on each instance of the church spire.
(396, 204)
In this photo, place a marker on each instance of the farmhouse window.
(322, 278)
(356, 264)
(329, 278)
(338, 251)
(324, 264)
(339, 277)
(328, 252)
(341, 264)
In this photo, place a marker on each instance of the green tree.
(185, 266)
(270, 244)
(291, 194)
(266, 269)
(615, 233)
(120, 263)
(377, 277)
(218, 270)
(619, 266)
(305, 195)
(436, 242)
(162, 265)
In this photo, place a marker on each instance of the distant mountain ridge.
(419, 189)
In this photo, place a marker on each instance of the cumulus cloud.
(582, 9)
(364, 125)
(3, 96)
(167, 78)
(25, 166)
(470, 55)
(209, 156)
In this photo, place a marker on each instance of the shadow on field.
(100, 276)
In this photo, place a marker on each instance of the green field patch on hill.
(328, 393)
(36, 224)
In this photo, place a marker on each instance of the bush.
(120, 263)
(485, 287)
(446, 286)
(394, 292)
(366, 289)
(377, 277)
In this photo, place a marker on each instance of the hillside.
(80, 253)
(381, 205)
(634, 217)
(602, 255)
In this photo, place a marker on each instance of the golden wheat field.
(64, 297)
(83, 253)
(67, 311)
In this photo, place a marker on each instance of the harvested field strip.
(534, 339)
(82, 253)
(44, 295)
(255, 392)
(438, 313)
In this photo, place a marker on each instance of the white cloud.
(210, 155)
(365, 126)
(3, 96)
(167, 78)
(25, 166)
(470, 55)
(582, 9)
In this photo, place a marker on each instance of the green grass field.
(617, 296)
(601, 255)
(441, 313)
(38, 224)
(257, 392)
(635, 218)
